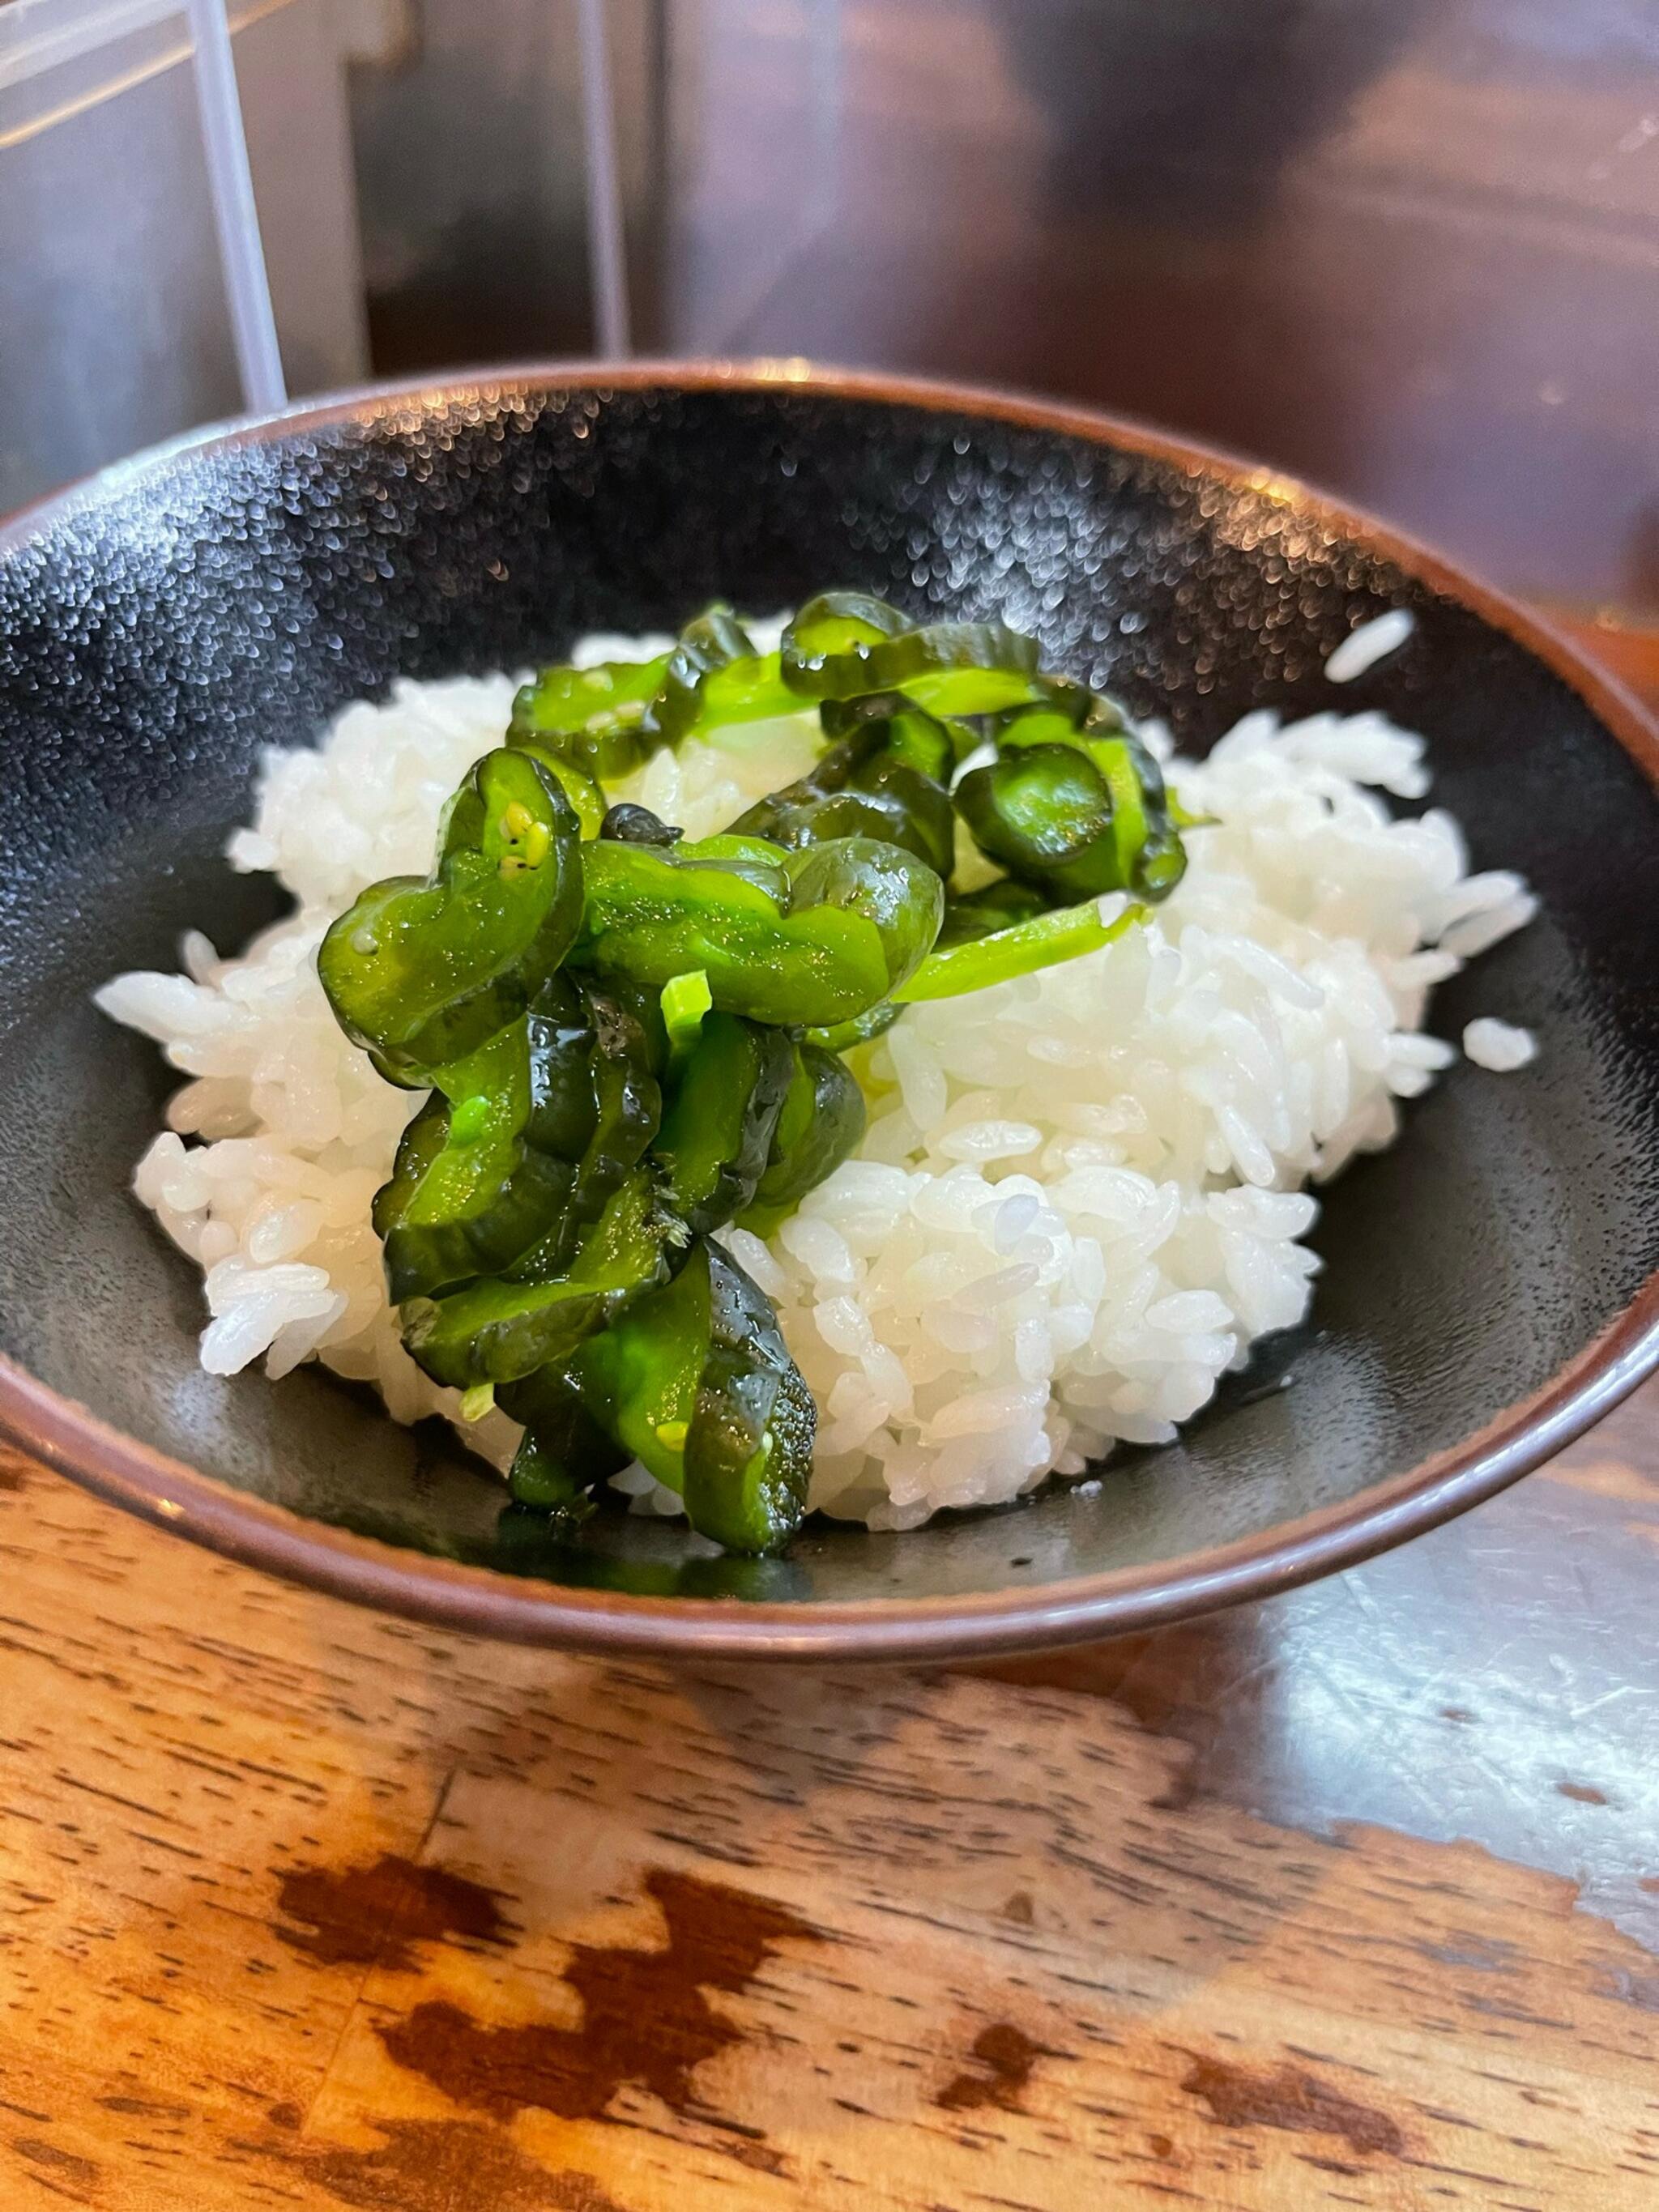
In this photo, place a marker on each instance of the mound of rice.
(1080, 1197)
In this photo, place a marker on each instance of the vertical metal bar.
(230, 185)
(606, 243)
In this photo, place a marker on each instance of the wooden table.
(1350, 1899)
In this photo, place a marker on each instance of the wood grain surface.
(1348, 1899)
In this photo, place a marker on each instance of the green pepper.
(806, 937)
(565, 1453)
(1075, 812)
(903, 731)
(842, 1036)
(822, 1120)
(716, 1136)
(605, 721)
(422, 973)
(749, 1452)
(684, 1000)
(993, 906)
(715, 677)
(613, 1095)
(473, 1203)
(500, 1331)
(973, 963)
(844, 644)
(593, 717)
(881, 885)
(559, 1038)
(696, 1382)
(420, 1145)
(579, 785)
(862, 786)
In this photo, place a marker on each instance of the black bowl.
(1489, 1286)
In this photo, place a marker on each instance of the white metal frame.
(236, 216)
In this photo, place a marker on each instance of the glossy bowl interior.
(1487, 1286)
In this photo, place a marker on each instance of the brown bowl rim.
(71, 1438)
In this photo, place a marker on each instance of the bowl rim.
(77, 1441)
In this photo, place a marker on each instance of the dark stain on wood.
(1581, 1793)
(372, 1914)
(12, 1469)
(1020, 1909)
(1006, 2055)
(81, 2172)
(433, 2165)
(762, 2157)
(1486, 1954)
(144, 2108)
(285, 2115)
(1161, 2146)
(645, 2018)
(1288, 2097)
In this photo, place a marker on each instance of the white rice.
(1079, 1199)
(1499, 1045)
(1372, 641)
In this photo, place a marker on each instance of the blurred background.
(1408, 249)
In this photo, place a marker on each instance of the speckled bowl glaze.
(1489, 1285)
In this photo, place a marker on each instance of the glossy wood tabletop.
(1349, 1899)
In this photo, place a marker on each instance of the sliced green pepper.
(422, 973)
(863, 787)
(749, 1451)
(500, 1331)
(684, 1000)
(822, 1120)
(620, 1114)
(580, 787)
(901, 729)
(565, 1453)
(1076, 812)
(716, 1136)
(842, 1036)
(546, 1223)
(485, 1194)
(974, 963)
(716, 678)
(993, 906)
(696, 1382)
(593, 717)
(844, 644)
(808, 937)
